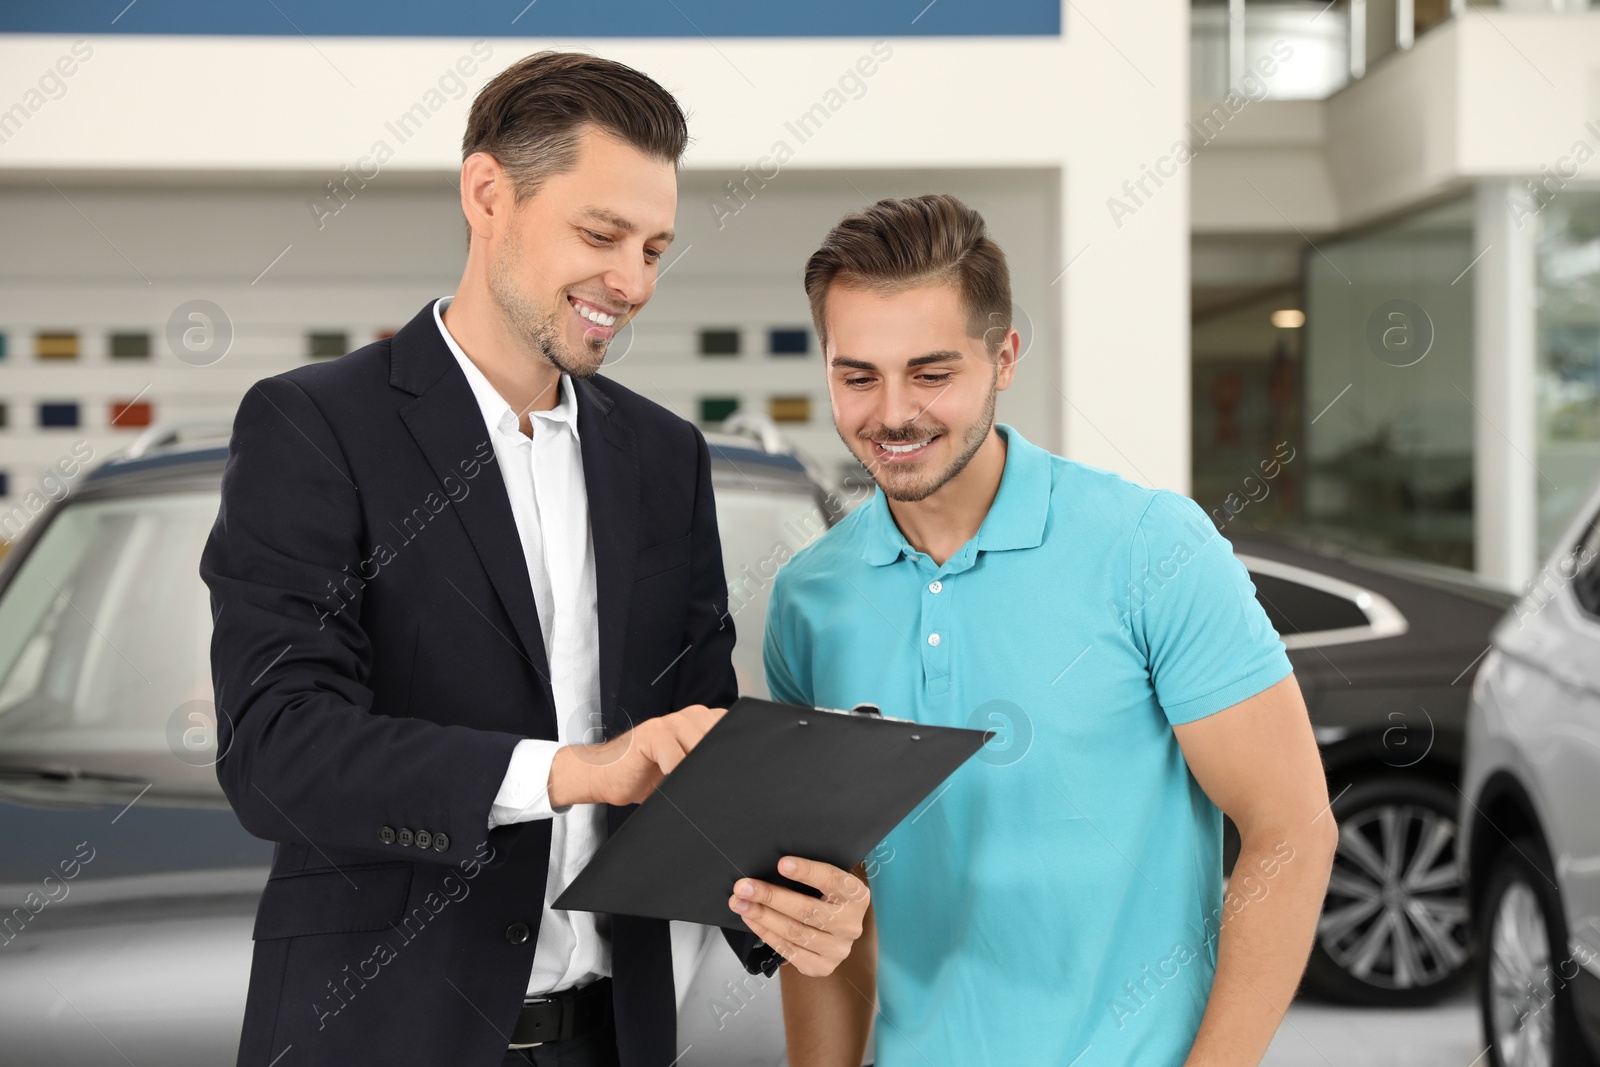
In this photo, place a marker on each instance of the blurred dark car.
(1385, 653)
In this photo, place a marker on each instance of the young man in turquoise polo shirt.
(1060, 900)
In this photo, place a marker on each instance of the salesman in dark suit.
(470, 608)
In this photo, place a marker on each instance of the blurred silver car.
(1531, 812)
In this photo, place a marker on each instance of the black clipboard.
(768, 780)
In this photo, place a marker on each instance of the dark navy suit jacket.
(377, 655)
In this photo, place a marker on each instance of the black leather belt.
(559, 1016)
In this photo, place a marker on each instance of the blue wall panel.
(541, 18)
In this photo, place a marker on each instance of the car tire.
(1394, 929)
(1525, 1002)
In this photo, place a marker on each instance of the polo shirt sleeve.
(1192, 608)
(779, 657)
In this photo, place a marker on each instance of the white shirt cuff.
(524, 794)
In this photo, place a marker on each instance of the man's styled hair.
(896, 245)
(530, 116)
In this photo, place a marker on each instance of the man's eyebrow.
(615, 221)
(915, 361)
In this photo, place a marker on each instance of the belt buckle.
(525, 1002)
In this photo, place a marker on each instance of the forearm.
(316, 771)
(1269, 918)
(568, 784)
(826, 1021)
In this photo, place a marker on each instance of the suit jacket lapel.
(447, 424)
(611, 479)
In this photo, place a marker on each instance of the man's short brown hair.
(896, 245)
(530, 116)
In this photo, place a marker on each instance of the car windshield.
(105, 633)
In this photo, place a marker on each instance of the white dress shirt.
(544, 479)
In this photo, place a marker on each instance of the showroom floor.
(1320, 1035)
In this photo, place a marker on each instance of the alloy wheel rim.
(1521, 985)
(1396, 912)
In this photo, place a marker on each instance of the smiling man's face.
(579, 258)
(913, 394)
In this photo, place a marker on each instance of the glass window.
(105, 635)
(1567, 374)
(1299, 609)
(1246, 428)
(1388, 382)
(1292, 51)
(1586, 583)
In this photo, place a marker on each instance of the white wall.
(1088, 109)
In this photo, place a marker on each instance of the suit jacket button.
(386, 835)
(405, 836)
(517, 933)
(440, 842)
(424, 839)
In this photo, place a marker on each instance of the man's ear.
(1006, 357)
(485, 194)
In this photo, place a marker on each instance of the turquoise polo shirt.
(1057, 901)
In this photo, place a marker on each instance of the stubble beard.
(539, 329)
(910, 494)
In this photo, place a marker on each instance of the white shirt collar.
(497, 412)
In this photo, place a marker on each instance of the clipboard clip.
(861, 711)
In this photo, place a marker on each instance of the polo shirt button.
(933, 639)
(935, 586)
(517, 933)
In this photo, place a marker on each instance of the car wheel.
(1394, 929)
(1529, 1018)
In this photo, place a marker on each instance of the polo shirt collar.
(1016, 519)
(497, 413)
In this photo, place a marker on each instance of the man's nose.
(631, 282)
(900, 405)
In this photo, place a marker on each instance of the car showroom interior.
(351, 499)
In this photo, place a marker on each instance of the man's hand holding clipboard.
(812, 936)
(783, 799)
